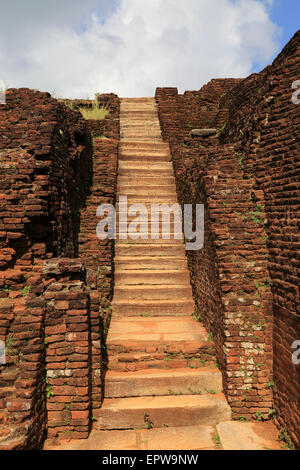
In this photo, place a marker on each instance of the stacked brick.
(257, 153)
(98, 254)
(67, 340)
(265, 125)
(229, 275)
(22, 381)
(243, 326)
(45, 164)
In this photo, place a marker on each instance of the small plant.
(49, 392)
(210, 337)
(285, 438)
(270, 385)
(217, 440)
(195, 392)
(5, 289)
(242, 418)
(259, 416)
(272, 413)
(95, 112)
(25, 291)
(147, 421)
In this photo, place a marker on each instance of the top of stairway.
(138, 100)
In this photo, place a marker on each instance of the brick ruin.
(235, 149)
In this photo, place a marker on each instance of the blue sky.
(75, 48)
(286, 14)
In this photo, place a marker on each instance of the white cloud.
(131, 46)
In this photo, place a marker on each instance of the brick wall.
(98, 254)
(45, 166)
(265, 124)
(229, 275)
(246, 278)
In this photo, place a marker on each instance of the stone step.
(162, 292)
(143, 106)
(150, 198)
(159, 249)
(159, 412)
(144, 157)
(164, 190)
(141, 138)
(145, 223)
(146, 181)
(142, 238)
(235, 435)
(138, 114)
(162, 382)
(150, 262)
(141, 146)
(141, 127)
(140, 99)
(137, 361)
(153, 128)
(147, 166)
(153, 308)
(132, 108)
(153, 277)
(166, 438)
(153, 170)
(168, 329)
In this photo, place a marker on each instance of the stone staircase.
(162, 378)
(163, 390)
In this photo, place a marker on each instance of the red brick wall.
(256, 152)
(68, 349)
(45, 166)
(266, 126)
(229, 275)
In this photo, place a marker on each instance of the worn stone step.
(140, 132)
(166, 438)
(143, 238)
(141, 138)
(153, 308)
(145, 171)
(155, 249)
(158, 412)
(235, 435)
(138, 114)
(157, 330)
(144, 157)
(165, 190)
(162, 382)
(146, 181)
(139, 99)
(137, 361)
(161, 292)
(150, 262)
(150, 199)
(144, 146)
(144, 150)
(153, 277)
(146, 166)
(131, 124)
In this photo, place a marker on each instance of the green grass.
(94, 112)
